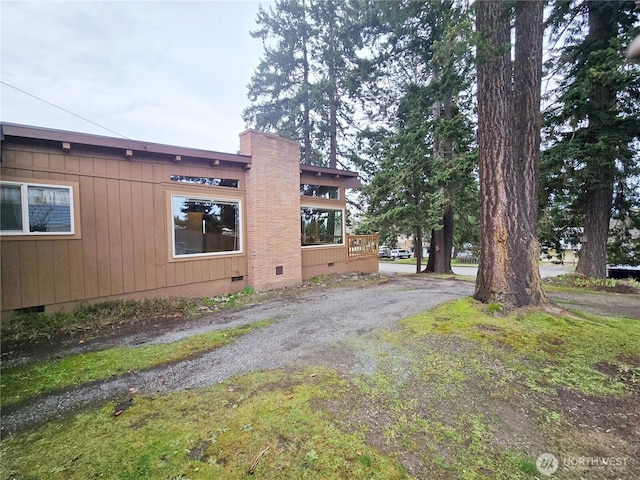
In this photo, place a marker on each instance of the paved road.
(396, 267)
(311, 327)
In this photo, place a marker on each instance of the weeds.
(34, 327)
(581, 283)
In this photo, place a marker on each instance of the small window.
(321, 226)
(205, 226)
(208, 181)
(319, 191)
(34, 209)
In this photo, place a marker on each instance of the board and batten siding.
(317, 261)
(330, 259)
(122, 246)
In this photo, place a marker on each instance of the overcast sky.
(157, 71)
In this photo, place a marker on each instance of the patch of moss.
(569, 347)
(217, 432)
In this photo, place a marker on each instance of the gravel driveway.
(314, 324)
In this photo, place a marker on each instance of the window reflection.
(319, 191)
(204, 225)
(49, 209)
(320, 226)
(208, 181)
(11, 202)
(29, 208)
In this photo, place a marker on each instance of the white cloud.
(166, 72)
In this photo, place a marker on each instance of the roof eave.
(39, 133)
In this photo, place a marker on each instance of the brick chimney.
(272, 210)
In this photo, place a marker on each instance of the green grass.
(457, 392)
(565, 351)
(469, 376)
(441, 411)
(23, 382)
(209, 433)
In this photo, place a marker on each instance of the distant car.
(384, 252)
(399, 253)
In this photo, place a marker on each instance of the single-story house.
(87, 218)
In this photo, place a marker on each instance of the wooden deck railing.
(362, 246)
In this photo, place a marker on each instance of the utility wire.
(63, 109)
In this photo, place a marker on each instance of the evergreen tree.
(402, 195)
(280, 88)
(303, 86)
(509, 151)
(423, 67)
(590, 171)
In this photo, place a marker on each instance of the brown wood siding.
(89, 250)
(61, 270)
(28, 274)
(46, 273)
(365, 265)
(123, 249)
(328, 260)
(11, 289)
(126, 226)
(139, 268)
(312, 256)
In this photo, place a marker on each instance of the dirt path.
(309, 324)
(314, 325)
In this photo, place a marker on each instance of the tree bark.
(592, 260)
(592, 257)
(333, 97)
(307, 100)
(441, 245)
(417, 248)
(509, 152)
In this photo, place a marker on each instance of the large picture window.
(205, 226)
(321, 226)
(34, 209)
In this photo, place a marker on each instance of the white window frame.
(344, 226)
(213, 199)
(24, 201)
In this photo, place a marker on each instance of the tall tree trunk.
(592, 261)
(307, 101)
(333, 97)
(592, 257)
(441, 245)
(417, 248)
(442, 239)
(525, 250)
(509, 152)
